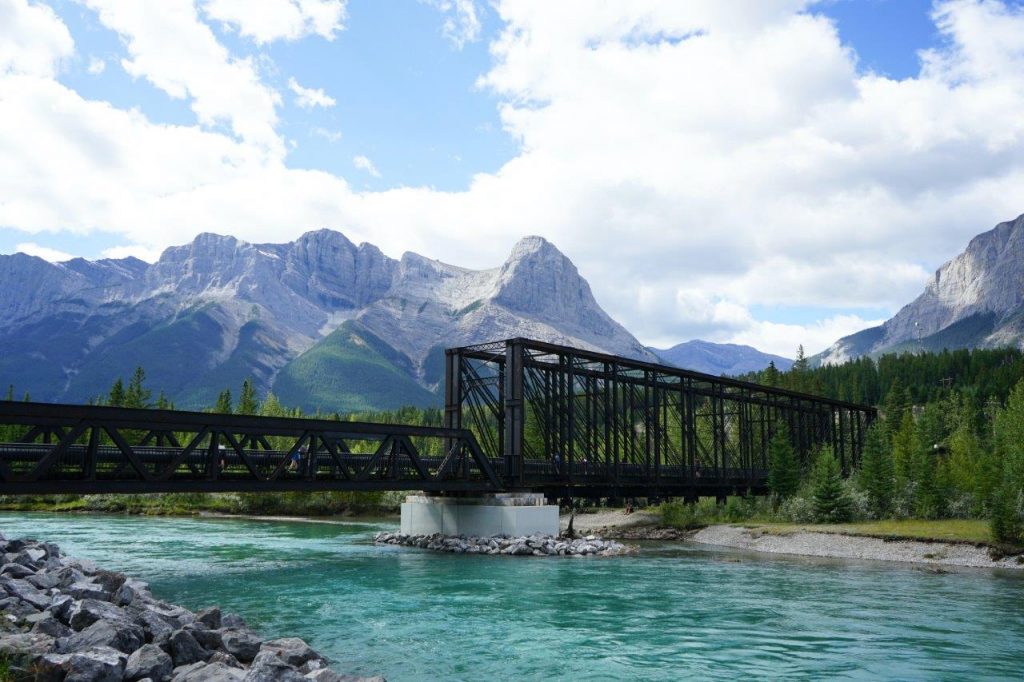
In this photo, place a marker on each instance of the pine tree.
(905, 445)
(771, 374)
(1005, 523)
(117, 396)
(895, 407)
(831, 503)
(247, 403)
(162, 403)
(928, 500)
(223, 405)
(876, 476)
(783, 467)
(137, 395)
(10, 392)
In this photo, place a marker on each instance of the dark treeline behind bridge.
(949, 444)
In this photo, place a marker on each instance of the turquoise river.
(674, 611)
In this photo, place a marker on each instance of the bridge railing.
(48, 448)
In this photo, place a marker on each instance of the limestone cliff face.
(219, 309)
(974, 300)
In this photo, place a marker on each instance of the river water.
(674, 611)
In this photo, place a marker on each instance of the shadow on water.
(673, 611)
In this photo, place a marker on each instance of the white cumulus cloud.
(363, 163)
(44, 252)
(33, 39)
(173, 49)
(308, 98)
(280, 19)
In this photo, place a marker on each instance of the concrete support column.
(512, 514)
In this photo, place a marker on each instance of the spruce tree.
(1005, 522)
(876, 474)
(783, 467)
(831, 503)
(117, 396)
(223, 405)
(137, 395)
(162, 403)
(247, 403)
(905, 445)
(895, 407)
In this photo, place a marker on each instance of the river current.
(674, 611)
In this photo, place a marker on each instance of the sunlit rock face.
(974, 301)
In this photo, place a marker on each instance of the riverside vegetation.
(957, 457)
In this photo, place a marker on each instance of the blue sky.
(505, 120)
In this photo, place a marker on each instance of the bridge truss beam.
(572, 421)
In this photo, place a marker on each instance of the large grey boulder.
(13, 570)
(130, 591)
(26, 645)
(148, 661)
(123, 636)
(291, 650)
(208, 639)
(208, 672)
(61, 607)
(84, 589)
(88, 611)
(241, 644)
(31, 557)
(210, 617)
(12, 606)
(185, 649)
(26, 592)
(268, 667)
(46, 623)
(43, 580)
(156, 629)
(100, 664)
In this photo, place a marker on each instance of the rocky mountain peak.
(539, 277)
(974, 300)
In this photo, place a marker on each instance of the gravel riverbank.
(65, 620)
(852, 547)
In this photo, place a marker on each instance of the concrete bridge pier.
(512, 514)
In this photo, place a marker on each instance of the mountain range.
(975, 300)
(322, 322)
(719, 358)
(326, 324)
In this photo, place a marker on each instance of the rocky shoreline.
(534, 545)
(65, 620)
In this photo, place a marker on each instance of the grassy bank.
(184, 504)
(763, 515)
(973, 531)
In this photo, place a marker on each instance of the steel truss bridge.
(519, 415)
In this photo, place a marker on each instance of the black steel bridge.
(519, 415)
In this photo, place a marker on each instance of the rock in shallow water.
(536, 545)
